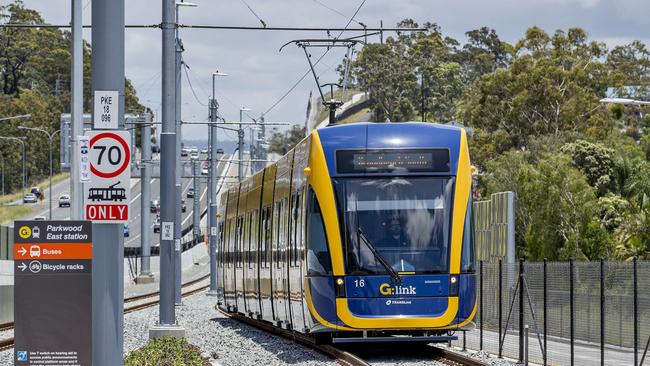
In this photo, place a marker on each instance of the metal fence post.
(636, 311)
(571, 315)
(480, 294)
(526, 345)
(464, 341)
(544, 356)
(602, 312)
(500, 305)
(521, 309)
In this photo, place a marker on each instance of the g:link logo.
(25, 232)
(386, 289)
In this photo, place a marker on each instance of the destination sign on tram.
(108, 193)
(392, 161)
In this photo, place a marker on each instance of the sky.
(259, 75)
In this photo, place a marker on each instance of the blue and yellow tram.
(361, 232)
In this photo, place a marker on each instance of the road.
(63, 213)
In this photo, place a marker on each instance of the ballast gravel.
(232, 342)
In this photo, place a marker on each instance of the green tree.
(281, 143)
(595, 161)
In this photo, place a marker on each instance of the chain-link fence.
(563, 313)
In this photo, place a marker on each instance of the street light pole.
(212, 188)
(240, 144)
(50, 136)
(19, 139)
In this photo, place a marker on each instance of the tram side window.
(232, 243)
(278, 233)
(266, 236)
(468, 257)
(318, 257)
(296, 221)
(252, 249)
(221, 243)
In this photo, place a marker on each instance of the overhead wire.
(337, 12)
(295, 85)
(187, 76)
(255, 14)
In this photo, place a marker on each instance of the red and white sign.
(108, 193)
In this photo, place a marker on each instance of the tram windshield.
(405, 219)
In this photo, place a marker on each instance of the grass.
(166, 351)
(355, 117)
(10, 213)
(8, 198)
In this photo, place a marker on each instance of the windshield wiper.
(379, 257)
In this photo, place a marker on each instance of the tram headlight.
(339, 286)
(453, 285)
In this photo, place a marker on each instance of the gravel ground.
(233, 342)
(415, 355)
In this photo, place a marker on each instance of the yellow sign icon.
(25, 232)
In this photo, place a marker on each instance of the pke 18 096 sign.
(105, 109)
(108, 193)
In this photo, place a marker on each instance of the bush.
(166, 351)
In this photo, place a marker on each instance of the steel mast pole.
(240, 145)
(145, 178)
(178, 267)
(76, 111)
(167, 315)
(212, 200)
(196, 201)
(108, 243)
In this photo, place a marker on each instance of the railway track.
(345, 357)
(9, 342)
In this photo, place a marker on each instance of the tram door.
(266, 270)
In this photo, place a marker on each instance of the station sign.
(108, 193)
(52, 293)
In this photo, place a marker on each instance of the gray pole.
(3, 175)
(108, 249)
(178, 267)
(76, 111)
(50, 194)
(240, 144)
(145, 178)
(212, 199)
(196, 213)
(167, 314)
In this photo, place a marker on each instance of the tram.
(361, 233)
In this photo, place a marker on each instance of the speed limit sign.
(108, 193)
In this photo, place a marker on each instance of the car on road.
(204, 151)
(184, 151)
(204, 171)
(183, 206)
(190, 192)
(64, 200)
(39, 218)
(154, 207)
(219, 151)
(194, 155)
(126, 231)
(37, 192)
(156, 225)
(30, 198)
